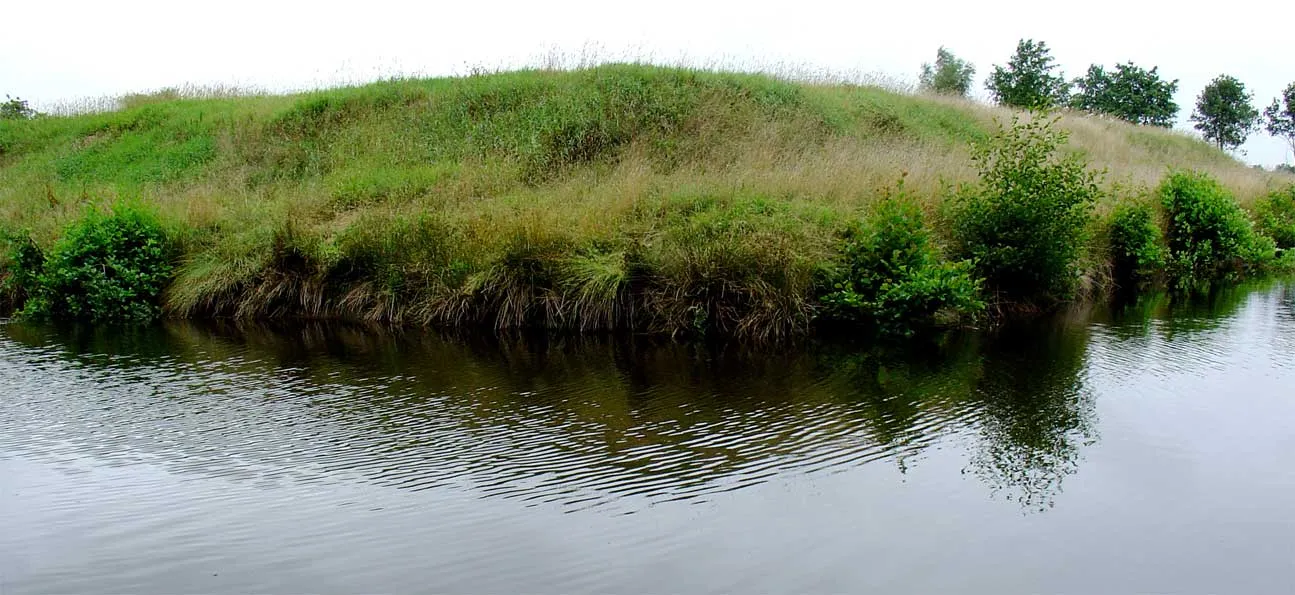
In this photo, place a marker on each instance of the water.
(1147, 449)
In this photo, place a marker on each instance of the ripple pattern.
(574, 432)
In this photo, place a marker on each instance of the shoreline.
(651, 199)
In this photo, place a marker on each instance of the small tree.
(14, 108)
(1224, 114)
(1028, 82)
(1129, 93)
(1025, 222)
(1280, 116)
(949, 75)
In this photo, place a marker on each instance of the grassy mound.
(622, 196)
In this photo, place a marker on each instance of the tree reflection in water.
(1036, 414)
(587, 420)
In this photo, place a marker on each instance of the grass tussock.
(620, 196)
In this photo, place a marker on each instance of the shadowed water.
(1145, 448)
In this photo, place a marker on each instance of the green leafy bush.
(1275, 216)
(893, 279)
(1025, 223)
(19, 269)
(106, 268)
(1137, 244)
(1210, 237)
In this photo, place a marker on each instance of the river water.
(1146, 448)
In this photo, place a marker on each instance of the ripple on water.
(335, 459)
(572, 432)
(585, 423)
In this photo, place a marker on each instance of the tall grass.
(678, 200)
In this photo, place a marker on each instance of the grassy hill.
(617, 196)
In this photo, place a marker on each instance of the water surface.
(1146, 448)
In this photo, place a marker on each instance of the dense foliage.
(892, 278)
(1028, 80)
(1279, 117)
(106, 268)
(1136, 244)
(1025, 222)
(949, 75)
(1210, 237)
(1130, 93)
(1275, 217)
(1224, 114)
(20, 265)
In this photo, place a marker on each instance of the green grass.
(621, 196)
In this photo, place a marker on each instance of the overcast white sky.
(54, 52)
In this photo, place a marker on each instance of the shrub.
(19, 270)
(1025, 222)
(106, 268)
(1137, 244)
(893, 279)
(1210, 237)
(1275, 216)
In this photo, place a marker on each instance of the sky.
(56, 53)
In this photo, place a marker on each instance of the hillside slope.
(622, 195)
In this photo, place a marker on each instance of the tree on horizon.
(1129, 92)
(1028, 80)
(1224, 114)
(950, 75)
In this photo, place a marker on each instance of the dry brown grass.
(719, 222)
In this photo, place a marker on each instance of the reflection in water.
(1036, 414)
(577, 422)
(1161, 337)
(336, 458)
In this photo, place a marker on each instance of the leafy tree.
(14, 108)
(1028, 80)
(949, 75)
(1280, 116)
(1224, 113)
(1129, 93)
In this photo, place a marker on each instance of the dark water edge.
(1142, 447)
